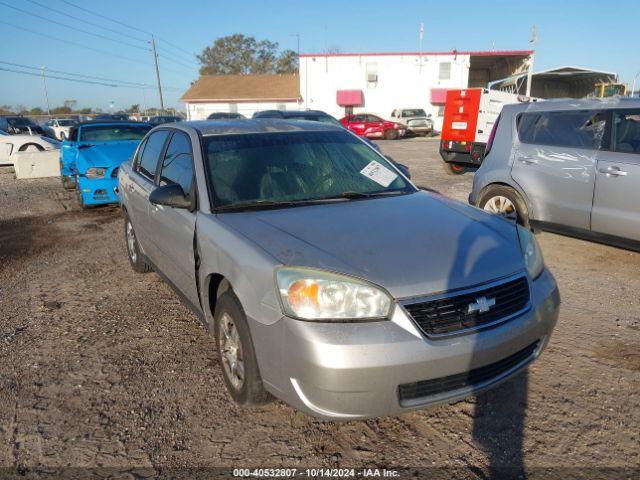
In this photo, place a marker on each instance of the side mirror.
(404, 169)
(171, 196)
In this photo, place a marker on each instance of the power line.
(71, 27)
(163, 49)
(104, 52)
(124, 82)
(67, 14)
(126, 25)
(163, 55)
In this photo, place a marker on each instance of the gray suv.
(568, 166)
(326, 277)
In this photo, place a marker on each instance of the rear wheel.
(136, 258)
(391, 134)
(453, 168)
(506, 202)
(236, 354)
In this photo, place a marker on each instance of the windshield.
(20, 122)
(111, 133)
(418, 112)
(66, 123)
(296, 167)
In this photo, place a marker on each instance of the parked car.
(160, 119)
(265, 229)
(372, 126)
(10, 144)
(312, 116)
(415, 120)
(568, 166)
(225, 116)
(91, 156)
(59, 127)
(17, 124)
(120, 117)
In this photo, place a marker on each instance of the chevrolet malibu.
(326, 277)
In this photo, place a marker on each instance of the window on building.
(372, 74)
(441, 110)
(444, 72)
(233, 107)
(576, 129)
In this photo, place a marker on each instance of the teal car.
(91, 156)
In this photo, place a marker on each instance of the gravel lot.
(102, 367)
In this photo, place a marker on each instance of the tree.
(85, 111)
(133, 108)
(21, 110)
(240, 55)
(6, 110)
(70, 104)
(61, 110)
(36, 111)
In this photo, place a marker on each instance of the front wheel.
(236, 354)
(506, 202)
(391, 134)
(136, 258)
(453, 168)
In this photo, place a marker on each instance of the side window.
(148, 161)
(575, 129)
(373, 118)
(138, 156)
(177, 165)
(357, 118)
(626, 132)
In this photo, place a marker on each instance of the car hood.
(410, 244)
(106, 154)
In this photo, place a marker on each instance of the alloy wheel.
(231, 351)
(131, 243)
(502, 206)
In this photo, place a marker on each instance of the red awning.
(349, 98)
(438, 95)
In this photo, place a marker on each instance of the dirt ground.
(103, 367)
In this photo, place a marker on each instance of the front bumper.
(98, 191)
(345, 371)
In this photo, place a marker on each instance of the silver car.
(326, 277)
(568, 166)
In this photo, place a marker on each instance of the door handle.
(613, 172)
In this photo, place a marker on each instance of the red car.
(372, 126)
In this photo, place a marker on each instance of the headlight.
(531, 252)
(310, 294)
(96, 172)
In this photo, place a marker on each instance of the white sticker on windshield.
(379, 173)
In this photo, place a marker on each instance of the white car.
(59, 127)
(10, 144)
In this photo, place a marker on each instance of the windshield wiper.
(257, 204)
(349, 195)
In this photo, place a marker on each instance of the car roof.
(254, 125)
(562, 104)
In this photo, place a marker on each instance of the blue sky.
(594, 34)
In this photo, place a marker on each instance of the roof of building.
(244, 88)
(478, 53)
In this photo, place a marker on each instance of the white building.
(380, 82)
(243, 94)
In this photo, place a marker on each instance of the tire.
(391, 134)
(504, 201)
(236, 354)
(30, 147)
(81, 203)
(68, 183)
(136, 258)
(453, 168)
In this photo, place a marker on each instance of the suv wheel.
(504, 201)
(235, 353)
(453, 168)
(136, 258)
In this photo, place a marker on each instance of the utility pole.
(46, 94)
(633, 88)
(421, 39)
(298, 46)
(155, 61)
(532, 42)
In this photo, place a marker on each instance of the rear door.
(172, 229)
(555, 163)
(374, 126)
(140, 186)
(616, 201)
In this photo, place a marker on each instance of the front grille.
(472, 378)
(451, 314)
(418, 123)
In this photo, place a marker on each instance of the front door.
(616, 201)
(172, 229)
(555, 163)
(357, 124)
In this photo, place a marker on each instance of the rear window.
(575, 129)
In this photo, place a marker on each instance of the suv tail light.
(492, 135)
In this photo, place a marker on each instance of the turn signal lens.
(311, 294)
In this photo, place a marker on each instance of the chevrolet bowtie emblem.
(481, 305)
